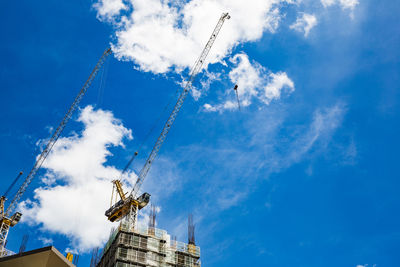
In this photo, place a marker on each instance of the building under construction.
(147, 246)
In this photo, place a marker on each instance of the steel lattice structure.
(4, 220)
(42, 157)
(193, 73)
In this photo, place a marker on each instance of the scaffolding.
(147, 246)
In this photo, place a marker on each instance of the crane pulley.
(128, 207)
(7, 222)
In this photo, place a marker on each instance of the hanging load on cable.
(128, 206)
(237, 94)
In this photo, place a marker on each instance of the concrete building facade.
(147, 247)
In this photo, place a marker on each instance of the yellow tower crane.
(127, 207)
(5, 220)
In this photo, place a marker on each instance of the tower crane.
(127, 207)
(5, 220)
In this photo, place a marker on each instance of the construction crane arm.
(41, 158)
(118, 185)
(193, 73)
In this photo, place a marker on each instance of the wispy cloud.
(304, 23)
(237, 165)
(324, 124)
(345, 4)
(254, 82)
(45, 241)
(230, 198)
(232, 169)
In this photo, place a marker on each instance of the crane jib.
(193, 73)
(57, 133)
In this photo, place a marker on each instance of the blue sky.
(307, 177)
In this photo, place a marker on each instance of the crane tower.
(128, 206)
(5, 220)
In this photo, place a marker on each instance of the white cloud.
(350, 4)
(77, 184)
(247, 76)
(164, 35)
(107, 9)
(278, 82)
(208, 107)
(304, 23)
(207, 79)
(45, 241)
(160, 35)
(345, 4)
(254, 82)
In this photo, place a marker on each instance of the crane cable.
(103, 78)
(12, 184)
(237, 95)
(151, 130)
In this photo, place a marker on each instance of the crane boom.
(56, 134)
(193, 73)
(127, 208)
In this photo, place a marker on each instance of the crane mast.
(128, 208)
(4, 220)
